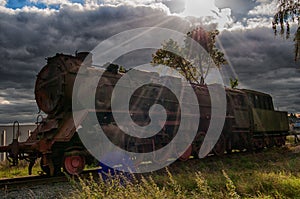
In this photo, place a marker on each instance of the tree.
(234, 82)
(196, 60)
(288, 12)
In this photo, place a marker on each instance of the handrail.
(37, 119)
(16, 136)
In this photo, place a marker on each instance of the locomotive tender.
(251, 122)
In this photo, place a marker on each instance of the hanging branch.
(288, 12)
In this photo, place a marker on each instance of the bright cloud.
(200, 8)
(3, 2)
(228, 14)
(267, 7)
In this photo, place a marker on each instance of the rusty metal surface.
(54, 83)
(47, 125)
(4, 149)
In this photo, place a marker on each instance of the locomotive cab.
(268, 126)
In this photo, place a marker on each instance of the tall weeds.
(121, 186)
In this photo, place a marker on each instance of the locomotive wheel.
(136, 148)
(277, 141)
(139, 159)
(46, 168)
(197, 144)
(271, 142)
(220, 146)
(258, 143)
(282, 140)
(74, 164)
(186, 155)
(161, 158)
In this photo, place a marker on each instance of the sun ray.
(200, 8)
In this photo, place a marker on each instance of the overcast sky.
(31, 30)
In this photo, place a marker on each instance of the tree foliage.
(288, 12)
(234, 82)
(196, 68)
(207, 39)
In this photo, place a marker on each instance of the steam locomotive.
(251, 122)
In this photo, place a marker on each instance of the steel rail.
(30, 181)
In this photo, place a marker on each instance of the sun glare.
(200, 8)
(4, 102)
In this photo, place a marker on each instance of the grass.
(272, 173)
(7, 171)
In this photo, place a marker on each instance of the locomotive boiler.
(251, 122)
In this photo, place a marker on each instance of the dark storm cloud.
(27, 38)
(20, 112)
(265, 63)
(30, 36)
(21, 106)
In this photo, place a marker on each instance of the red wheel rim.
(161, 158)
(74, 165)
(220, 146)
(186, 155)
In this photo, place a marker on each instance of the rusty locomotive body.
(251, 121)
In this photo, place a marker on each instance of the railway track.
(13, 183)
(31, 181)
